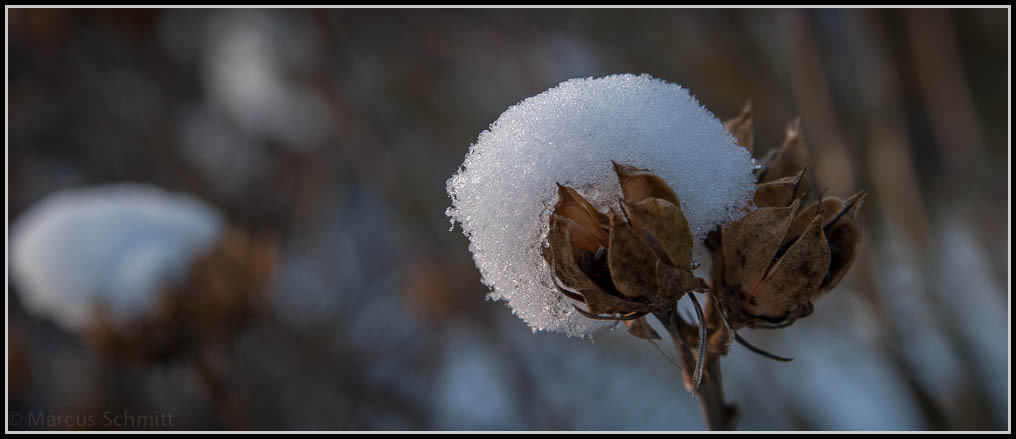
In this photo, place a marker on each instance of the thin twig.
(716, 412)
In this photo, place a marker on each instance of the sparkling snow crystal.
(113, 247)
(504, 191)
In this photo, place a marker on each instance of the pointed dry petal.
(571, 278)
(844, 236)
(587, 231)
(667, 225)
(740, 127)
(789, 159)
(569, 197)
(794, 278)
(630, 259)
(749, 244)
(641, 329)
(779, 193)
(562, 258)
(639, 184)
(830, 207)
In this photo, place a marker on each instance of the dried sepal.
(779, 193)
(632, 263)
(599, 301)
(640, 328)
(587, 229)
(794, 277)
(639, 184)
(787, 160)
(666, 226)
(828, 208)
(563, 262)
(674, 282)
(740, 127)
(750, 244)
(844, 235)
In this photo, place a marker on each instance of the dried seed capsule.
(772, 264)
(623, 265)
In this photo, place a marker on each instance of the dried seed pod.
(773, 263)
(769, 266)
(577, 256)
(572, 280)
(623, 265)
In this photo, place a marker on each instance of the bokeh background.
(334, 131)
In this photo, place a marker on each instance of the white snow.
(110, 247)
(502, 194)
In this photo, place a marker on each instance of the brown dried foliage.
(225, 289)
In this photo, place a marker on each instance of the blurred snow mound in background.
(111, 247)
(503, 193)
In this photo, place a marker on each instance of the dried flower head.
(770, 266)
(624, 264)
(136, 270)
(773, 263)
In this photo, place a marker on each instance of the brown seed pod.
(772, 264)
(625, 264)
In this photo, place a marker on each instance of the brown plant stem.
(716, 412)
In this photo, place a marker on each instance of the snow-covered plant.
(590, 202)
(503, 194)
(126, 265)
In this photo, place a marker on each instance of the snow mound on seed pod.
(503, 193)
(110, 248)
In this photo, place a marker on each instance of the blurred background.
(333, 133)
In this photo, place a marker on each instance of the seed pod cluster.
(768, 267)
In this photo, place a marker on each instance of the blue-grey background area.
(336, 130)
